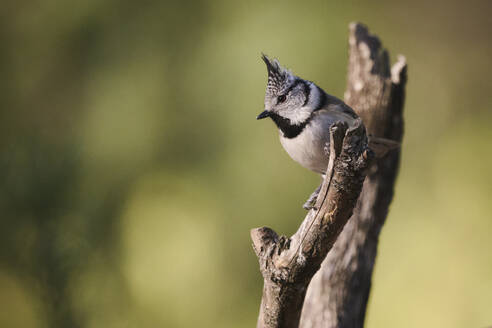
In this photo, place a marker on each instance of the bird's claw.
(309, 204)
(326, 149)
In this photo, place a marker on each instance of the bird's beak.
(263, 114)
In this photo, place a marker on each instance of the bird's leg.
(309, 204)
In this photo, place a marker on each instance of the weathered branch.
(338, 294)
(288, 264)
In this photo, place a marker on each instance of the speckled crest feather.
(278, 76)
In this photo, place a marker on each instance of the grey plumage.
(303, 113)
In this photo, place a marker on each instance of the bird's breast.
(307, 148)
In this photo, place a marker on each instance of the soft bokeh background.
(132, 166)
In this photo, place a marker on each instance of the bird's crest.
(278, 76)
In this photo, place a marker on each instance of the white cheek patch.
(298, 116)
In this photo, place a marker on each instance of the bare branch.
(338, 293)
(288, 264)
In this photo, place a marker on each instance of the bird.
(303, 114)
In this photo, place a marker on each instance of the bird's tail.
(381, 146)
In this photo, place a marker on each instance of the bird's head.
(287, 96)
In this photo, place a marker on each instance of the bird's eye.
(281, 99)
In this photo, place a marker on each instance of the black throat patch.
(288, 129)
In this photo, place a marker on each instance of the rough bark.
(338, 293)
(288, 264)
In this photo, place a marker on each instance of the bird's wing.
(335, 112)
(339, 111)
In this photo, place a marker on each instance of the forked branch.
(338, 294)
(288, 264)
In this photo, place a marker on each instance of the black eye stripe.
(307, 89)
(295, 84)
(322, 99)
(281, 99)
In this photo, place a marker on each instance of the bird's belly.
(308, 150)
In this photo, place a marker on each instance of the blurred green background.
(132, 166)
